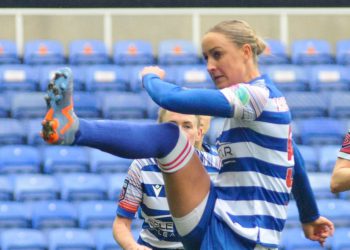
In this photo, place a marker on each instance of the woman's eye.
(216, 55)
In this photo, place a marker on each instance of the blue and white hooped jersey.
(144, 188)
(255, 146)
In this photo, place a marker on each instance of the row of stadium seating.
(58, 159)
(288, 77)
(310, 131)
(308, 51)
(128, 105)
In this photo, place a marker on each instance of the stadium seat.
(24, 239)
(288, 77)
(327, 157)
(320, 184)
(97, 214)
(33, 128)
(133, 52)
(26, 105)
(293, 215)
(31, 187)
(115, 184)
(14, 215)
(104, 240)
(304, 104)
(274, 53)
(4, 106)
(11, 131)
(123, 105)
(70, 238)
(338, 106)
(86, 105)
(336, 210)
(177, 52)
(43, 52)
(311, 51)
(294, 239)
(102, 162)
(65, 159)
(329, 78)
(342, 51)
(46, 74)
(107, 78)
(53, 214)
(152, 108)
(341, 239)
(216, 127)
(82, 186)
(18, 77)
(311, 157)
(6, 188)
(194, 76)
(8, 52)
(322, 131)
(15, 159)
(88, 52)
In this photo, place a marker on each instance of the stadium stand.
(88, 52)
(96, 214)
(8, 52)
(11, 131)
(274, 53)
(342, 51)
(18, 77)
(194, 76)
(14, 215)
(70, 238)
(23, 238)
(173, 51)
(43, 52)
(102, 162)
(329, 78)
(133, 52)
(311, 51)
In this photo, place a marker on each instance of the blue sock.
(128, 140)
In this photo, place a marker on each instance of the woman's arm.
(340, 180)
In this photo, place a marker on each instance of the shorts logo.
(242, 94)
(123, 192)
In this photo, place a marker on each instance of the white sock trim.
(178, 157)
(187, 223)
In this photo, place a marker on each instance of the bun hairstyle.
(240, 33)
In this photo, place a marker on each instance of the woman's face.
(226, 63)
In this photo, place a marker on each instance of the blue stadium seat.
(31, 187)
(274, 53)
(8, 52)
(53, 214)
(6, 188)
(216, 127)
(70, 238)
(104, 240)
(304, 104)
(86, 105)
(133, 52)
(33, 128)
(177, 52)
(65, 159)
(4, 106)
(320, 184)
(152, 108)
(342, 54)
(311, 157)
(115, 184)
(341, 239)
(338, 106)
(97, 214)
(82, 186)
(25, 239)
(294, 239)
(327, 157)
(43, 52)
(288, 77)
(322, 131)
(336, 210)
(14, 215)
(107, 78)
(123, 105)
(18, 77)
(26, 105)
(11, 131)
(102, 162)
(329, 78)
(46, 74)
(293, 215)
(88, 52)
(19, 159)
(194, 76)
(311, 51)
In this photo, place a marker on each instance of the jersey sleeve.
(247, 101)
(187, 101)
(131, 194)
(345, 149)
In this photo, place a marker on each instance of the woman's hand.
(153, 70)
